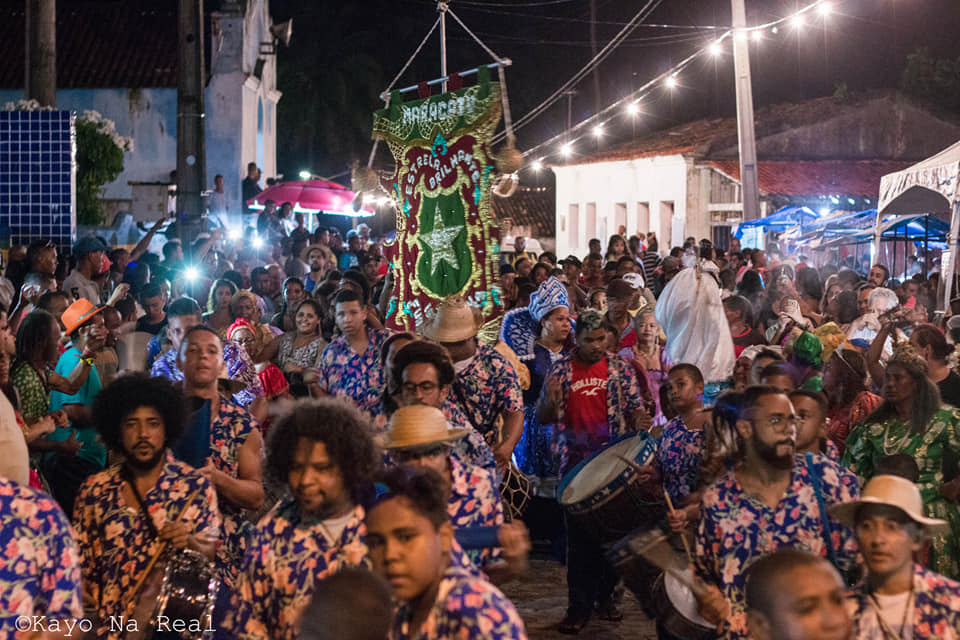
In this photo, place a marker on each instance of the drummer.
(139, 417)
(682, 439)
(769, 501)
(420, 437)
(592, 397)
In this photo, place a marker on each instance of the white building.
(120, 58)
(684, 181)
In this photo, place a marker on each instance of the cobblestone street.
(541, 599)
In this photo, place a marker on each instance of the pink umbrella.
(312, 196)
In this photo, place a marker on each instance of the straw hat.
(893, 491)
(454, 321)
(310, 248)
(419, 425)
(78, 313)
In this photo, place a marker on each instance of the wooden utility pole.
(749, 182)
(40, 68)
(191, 150)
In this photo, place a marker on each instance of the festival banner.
(447, 239)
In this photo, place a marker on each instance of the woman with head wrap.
(550, 309)
(848, 401)
(912, 421)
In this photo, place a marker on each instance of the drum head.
(603, 468)
(683, 599)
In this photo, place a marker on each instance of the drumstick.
(161, 548)
(686, 545)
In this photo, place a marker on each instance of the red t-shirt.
(587, 405)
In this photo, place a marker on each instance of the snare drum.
(187, 593)
(604, 496)
(676, 608)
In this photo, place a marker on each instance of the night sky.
(864, 44)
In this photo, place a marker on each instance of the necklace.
(888, 633)
(899, 445)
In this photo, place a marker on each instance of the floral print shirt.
(116, 541)
(936, 609)
(736, 529)
(486, 388)
(471, 448)
(40, 571)
(239, 367)
(474, 502)
(678, 456)
(229, 431)
(467, 606)
(359, 377)
(306, 356)
(286, 558)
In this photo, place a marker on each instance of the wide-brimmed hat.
(78, 313)
(307, 250)
(454, 321)
(419, 425)
(892, 491)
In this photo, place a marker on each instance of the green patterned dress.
(870, 442)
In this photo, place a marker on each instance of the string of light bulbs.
(629, 105)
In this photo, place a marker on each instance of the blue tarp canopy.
(917, 228)
(832, 225)
(780, 220)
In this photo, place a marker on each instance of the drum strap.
(824, 517)
(127, 475)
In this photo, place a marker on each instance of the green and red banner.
(447, 238)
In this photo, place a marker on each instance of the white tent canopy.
(930, 186)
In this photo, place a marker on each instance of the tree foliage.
(99, 162)
(936, 80)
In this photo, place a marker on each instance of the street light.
(633, 108)
(715, 48)
(537, 165)
(566, 149)
(671, 81)
(825, 9)
(598, 130)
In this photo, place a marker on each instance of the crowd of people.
(245, 404)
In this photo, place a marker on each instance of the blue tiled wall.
(37, 176)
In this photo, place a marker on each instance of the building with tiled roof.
(119, 57)
(684, 181)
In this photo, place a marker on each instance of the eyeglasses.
(779, 422)
(426, 387)
(408, 455)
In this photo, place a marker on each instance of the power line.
(647, 9)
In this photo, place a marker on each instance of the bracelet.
(87, 361)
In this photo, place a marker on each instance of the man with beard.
(126, 515)
(772, 500)
(323, 451)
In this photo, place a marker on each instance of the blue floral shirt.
(40, 567)
(286, 558)
(736, 529)
(357, 376)
(474, 502)
(229, 430)
(471, 448)
(467, 606)
(486, 388)
(936, 609)
(116, 541)
(678, 456)
(239, 367)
